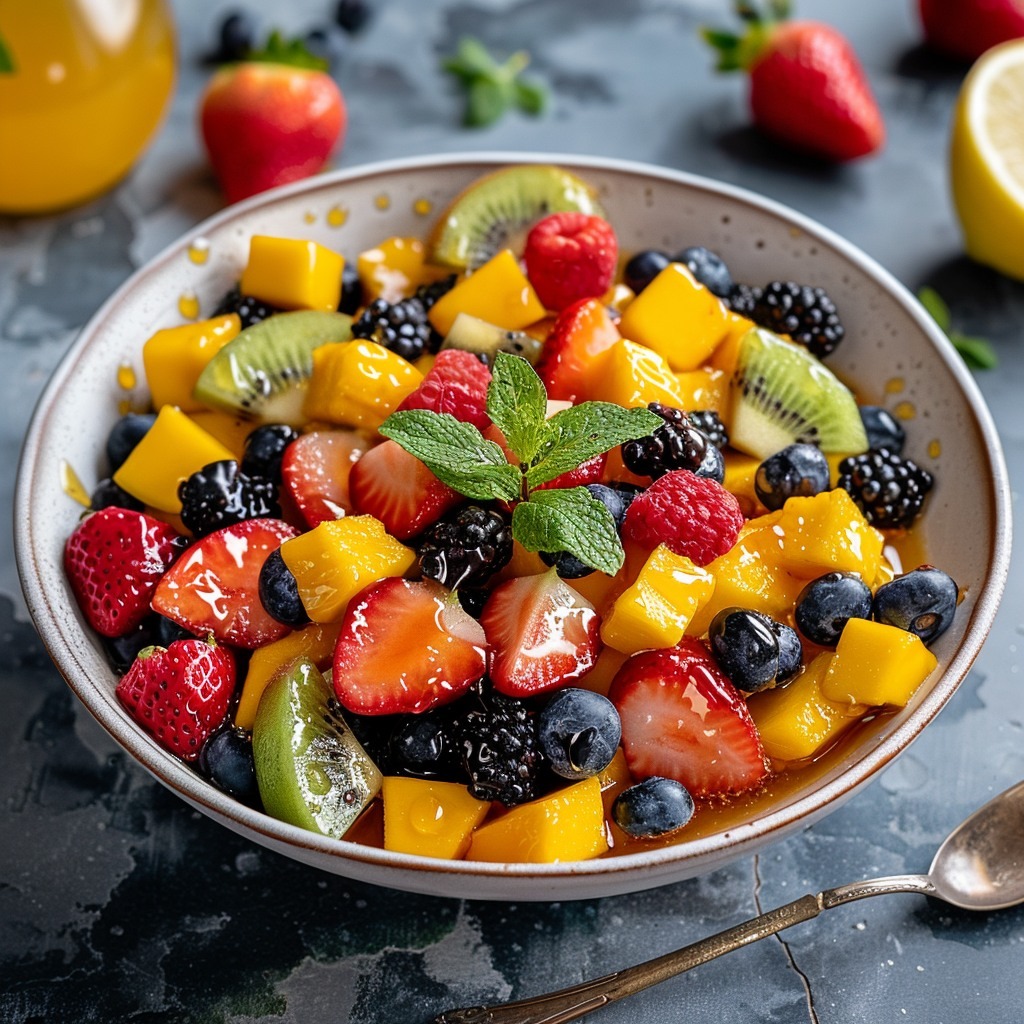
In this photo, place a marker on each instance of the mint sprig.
(977, 353)
(6, 60)
(553, 519)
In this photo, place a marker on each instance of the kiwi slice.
(781, 395)
(310, 768)
(263, 372)
(498, 210)
(485, 340)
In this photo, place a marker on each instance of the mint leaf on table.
(977, 353)
(517, 405)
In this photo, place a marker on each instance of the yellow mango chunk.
(630, 374)
(704, 388)
(498, 292)
(358, 384)
(315, 642)
(334, 561)
(169, 452)
(174, 357)
(655, 611)
(724, 357)
(678, 317)
(797, 721)
(566, 826)
(877, 664)
(229, 429)
(827, 532)
(293, 273)
(394, 269)
(429, 818)
(740, 470)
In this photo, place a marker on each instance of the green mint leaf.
(531, 97)
(474, 57)
(6, 60)
(936, 307)
(456, 453)
(491, 87)
(569, 519)
(977, 353)
(486, 102)
(583, 431)
(517, 404)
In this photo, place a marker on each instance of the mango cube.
(293, 273)
(566, 826)
(704, 388)
(335, 560)
(429, 818)
(174, 357)
(169, 452)
(877, 664)
(630, 374)
(395, 269)
(498, 292)
(655, 611)
(358, 384)
(678, 317)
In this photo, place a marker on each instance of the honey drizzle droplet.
(336, 216)
(72, 485)
(894, 386)
(383, 201)
(309, 217)
(199, 251)
(934, 448)
(126, 379)
(422, 207)
(188, 305)
(905, 411)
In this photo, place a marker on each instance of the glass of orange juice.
(83, 89)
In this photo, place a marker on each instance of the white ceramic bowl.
(893, 354)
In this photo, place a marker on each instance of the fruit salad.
(503, 544)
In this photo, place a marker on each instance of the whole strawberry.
(967, 28)
(807, 87)
(274, 118)
(180, 694)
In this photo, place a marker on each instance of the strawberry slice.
(180, 694)
(396, 488)
(581, 332)
(683, 720)
(315, 473)
(456, 384)
(405, 647)
(114, 560)
(214, 587)
(542, 634)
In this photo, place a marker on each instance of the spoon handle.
(570, 1003)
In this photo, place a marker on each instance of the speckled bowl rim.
(575, 880)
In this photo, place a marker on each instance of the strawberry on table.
(180, 694)
(580, 333)
(683, 720)
(114, 560)
(570, 256)
(967, 28)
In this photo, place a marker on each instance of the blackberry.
(400, 326)
(264, 449)
(742, 299)
(497, 738)
(428, 294)
(466, 548)
(676, 444)
(220, 494)
(888, 489)
(710, 424)
(250, 310)
(804, 312)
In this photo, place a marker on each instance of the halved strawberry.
(396, 488)
(581, 332)
(682, 719)
(456, 384)
(180, 694)
(405, 647)
(315, 471)
(542, 634)
(214, 587)
(114, 560)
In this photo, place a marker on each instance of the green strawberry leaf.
(291, 52)
(517, 404)
(569, 519)
(456, 453)
(6, 60)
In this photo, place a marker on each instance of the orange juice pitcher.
(84, 85)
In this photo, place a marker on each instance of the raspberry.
(694, 515)
(455, 384)
(570, 256)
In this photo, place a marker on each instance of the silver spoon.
(979, 866)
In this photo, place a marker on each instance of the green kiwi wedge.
(262, 373)
(497, 211)
(781, 395)
(485, 340)
(310, 768)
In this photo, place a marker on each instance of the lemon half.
(987, 159)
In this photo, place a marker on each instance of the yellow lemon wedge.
(987, 159)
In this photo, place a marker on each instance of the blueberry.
(616, 500)
(106, 494)
(264, 449)
(797, 470)
(826, 604)
(122, 650)
(236, 37)
(167, 631)
(923, 602)
(746, 647)
(882, 428)
(424, 746)
(579, 732)
(279, 592)
(352, 15)
(654, 807)
(326, 44)
(643, 267)
(227, 761)
(351, 297)
(708, 268)
(712, 465)
(125, 434)
(791, 652)
(473, 600)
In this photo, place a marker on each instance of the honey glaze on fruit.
(535, 551)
